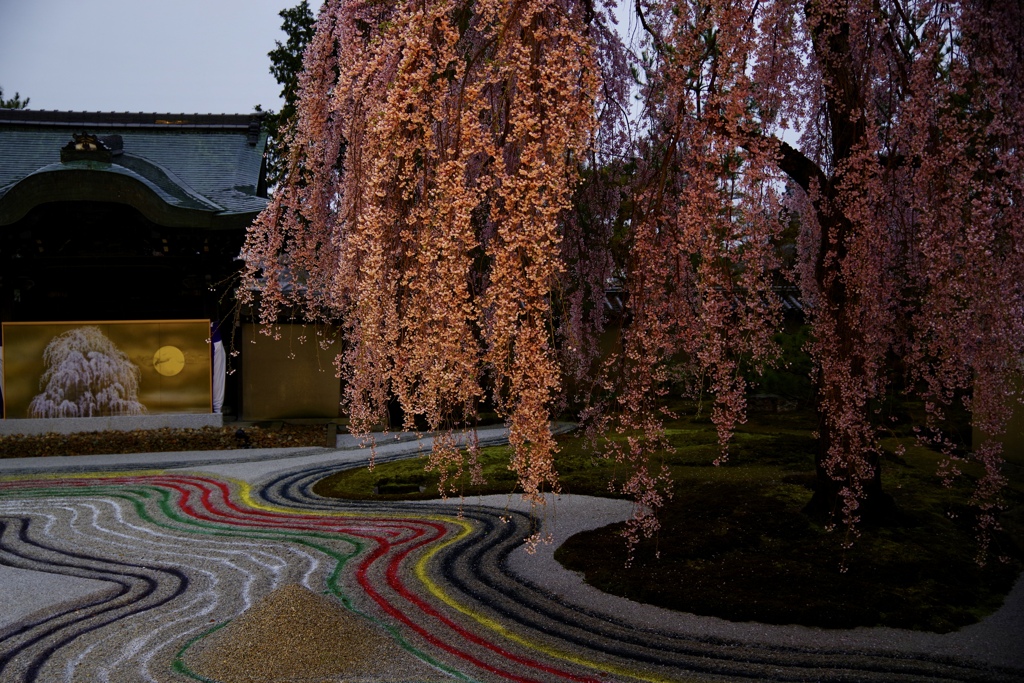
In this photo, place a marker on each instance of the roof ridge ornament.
(87, 147)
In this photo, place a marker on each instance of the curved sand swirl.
(195, 575)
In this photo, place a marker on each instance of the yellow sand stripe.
(437, 592)
(246, 496)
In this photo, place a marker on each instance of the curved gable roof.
(181, 170)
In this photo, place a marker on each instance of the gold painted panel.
(95, 369)
(290, 373)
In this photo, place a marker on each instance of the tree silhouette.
(13, 103)
(285, 65)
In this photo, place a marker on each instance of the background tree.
(285, 65)
(13, 103)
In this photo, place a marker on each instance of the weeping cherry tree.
(437, 150)
(443, 199)
(891, 131)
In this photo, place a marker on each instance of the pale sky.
(175, 56)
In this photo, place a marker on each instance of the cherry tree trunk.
(876, 507)
(848, 468)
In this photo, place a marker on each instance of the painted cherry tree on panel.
(448, 198)
(86, 376)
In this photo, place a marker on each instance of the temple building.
(121, 216)
(111, 218)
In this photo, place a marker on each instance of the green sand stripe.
(165, 500)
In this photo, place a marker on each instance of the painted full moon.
(168, 360)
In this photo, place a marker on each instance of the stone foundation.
(120, 423)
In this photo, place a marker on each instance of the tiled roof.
(208, 163)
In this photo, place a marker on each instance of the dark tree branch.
(799, 168)
(906, 22)
(792, 162)
(891, 38)
(830, 36)
(658, 44)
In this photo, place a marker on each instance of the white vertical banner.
(220, 369)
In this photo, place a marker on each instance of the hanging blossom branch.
(434, 205)
(701, 259)
(968, 249)
(907, 185)
(437, 151)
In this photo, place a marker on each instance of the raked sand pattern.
(235, 571)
